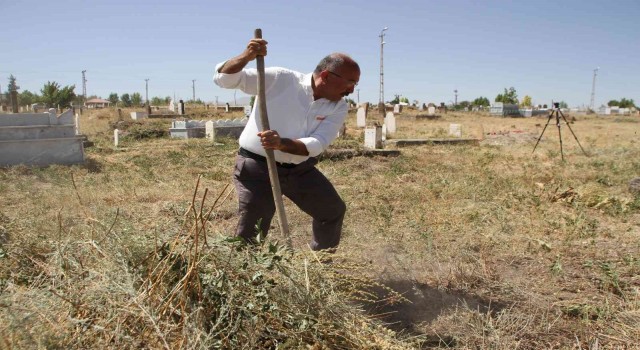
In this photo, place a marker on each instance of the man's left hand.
(270, 139)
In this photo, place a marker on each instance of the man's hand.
(270, 139)
(254, 48)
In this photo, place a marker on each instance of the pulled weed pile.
(189, 292)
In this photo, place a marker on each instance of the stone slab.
(190, 133)
(415, 142)
(42, 152)
(37, 132)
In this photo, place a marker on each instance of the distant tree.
(350, 101)
(623, 103)
(54, 96)
(404, 100)
(526, 101)
(463, 105)
(136, 99)
(563, 104)
(395, 100)
(481, 101)
(27, 98)
(509, 96)
(252, 101)
(12, 84)
(157, 101)
(126, 100)
(113, 98)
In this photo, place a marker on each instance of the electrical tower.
(84, 87)
(381, 102)
(593, 90)
(193, 85)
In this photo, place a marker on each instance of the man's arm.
(254, 48)
(270, 139)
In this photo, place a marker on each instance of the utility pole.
(455, 103)
(146, 87)
(381, 101)
(193, 85)
(358, 90)
(84, 87)
(593, 90)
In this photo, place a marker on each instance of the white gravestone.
(361, 117)
(77, 124)
(116, 138)
(373, 138)
(455, 130)
(431, 110)
(384, 132)
(390, 122)
(397, 108)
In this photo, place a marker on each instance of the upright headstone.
(361, 117)
(181, 107)
(455, 130)
(120, 114)
(116, 138)
(208, 130)
(384, 132)
(431, 110)
(397, 108)
(226, 107)
(373, 137)
(390, 122)
(77, 124)
(172, 105)
(247, 110)
(421, 107)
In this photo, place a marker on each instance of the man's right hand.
(254, 48)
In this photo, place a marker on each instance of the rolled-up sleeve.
(245, 80)
(326, 132)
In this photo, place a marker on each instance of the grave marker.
(361, 117)
(373, 137)
(116, 139)
(390, 122)
(455, 130)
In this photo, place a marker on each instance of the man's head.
(335, 77)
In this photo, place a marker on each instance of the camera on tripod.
(556, 105)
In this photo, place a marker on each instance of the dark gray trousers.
(305, 185)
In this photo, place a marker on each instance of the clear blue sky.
(545, 49)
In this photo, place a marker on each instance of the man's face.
(341, 82)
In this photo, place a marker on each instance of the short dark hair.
(335, 60)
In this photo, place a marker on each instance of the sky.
(544, 49)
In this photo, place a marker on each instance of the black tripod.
(557, 113)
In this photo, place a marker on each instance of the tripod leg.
(545, 128)
(574, 134)
(559, 134)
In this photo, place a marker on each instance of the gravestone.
(455, 130)
(138, 115)
(390, 122)
(422, 107)
(397, 108)
(384, 133)
(77, 124)
(181, 107)
(247, 111)
(431, 110)
(226, 107)
(361, 117)
(373, 137)
(116, 137)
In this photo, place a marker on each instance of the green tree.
(623, 103)
(12, 84)
(563, 104)
(526, 101)
(136, 99)
(126, 100)
(54, 96)
(463, 104)
(395, 100)
(509, 96)
(27, 98)
(404, 100)
(481, 101)
(113, 98)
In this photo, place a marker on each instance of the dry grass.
(493, 246)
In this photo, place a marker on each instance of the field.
(445, 246)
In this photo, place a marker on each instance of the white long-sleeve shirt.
(291, 110)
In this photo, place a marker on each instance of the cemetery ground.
(460, 246)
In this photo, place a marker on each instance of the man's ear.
(324, 74)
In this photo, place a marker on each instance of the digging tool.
(271, 160)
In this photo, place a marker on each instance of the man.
(305, 113)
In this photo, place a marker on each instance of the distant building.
(97, 103)
(504, 110)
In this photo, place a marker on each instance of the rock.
(634, 185)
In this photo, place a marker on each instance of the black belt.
(248, 154)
